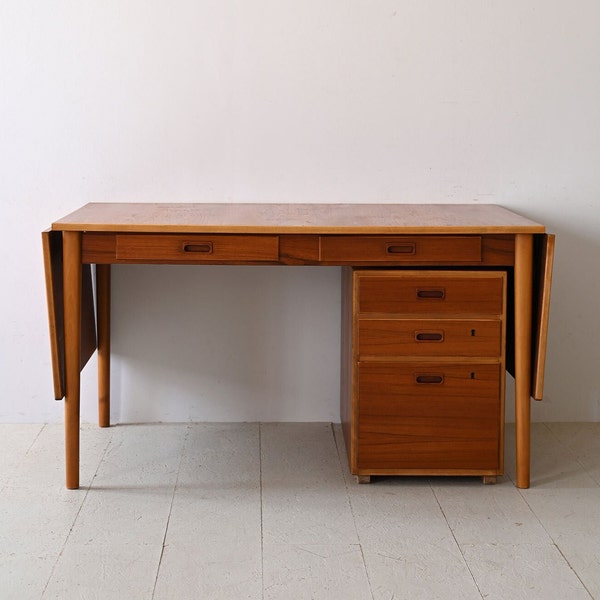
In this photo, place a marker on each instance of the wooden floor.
(268, 511)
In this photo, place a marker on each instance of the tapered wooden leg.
(523, 307)
(72, 332)
(103, 317)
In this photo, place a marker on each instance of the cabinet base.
(486, 479)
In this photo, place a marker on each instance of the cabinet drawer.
(197, 248)
(429, 337)
(434, 292)
(429, 416)
(400, 249)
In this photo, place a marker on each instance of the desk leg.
(103, 304)
(523, 309)
(72, 325)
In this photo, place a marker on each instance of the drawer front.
(400, 249)
(421, 293)
(197, 248)
(429, 337)
(429, 416)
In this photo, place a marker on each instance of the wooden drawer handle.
(410, 248)
(204, 248)
(429, 379)
(431, 293)
(429, 336)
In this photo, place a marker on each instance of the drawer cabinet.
(423, 372)
(193, 248)
(401, 249)
(429, 337)
(429, 292)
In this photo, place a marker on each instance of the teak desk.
(438, 301)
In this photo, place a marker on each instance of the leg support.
(523, 310)
(72, 332)
(103, 325)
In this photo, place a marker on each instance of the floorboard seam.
(175, 485)
(349, 501)
(262, 537)
(87, 491)
(456, 542)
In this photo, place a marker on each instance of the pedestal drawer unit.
(423, 371)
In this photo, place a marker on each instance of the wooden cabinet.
(423, 371)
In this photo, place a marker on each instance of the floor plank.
(269, 511)
(213, 542)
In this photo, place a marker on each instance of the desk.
(395, 238)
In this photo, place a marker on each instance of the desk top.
(297, 218)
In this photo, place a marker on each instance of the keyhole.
(472, 333)
(472, 375)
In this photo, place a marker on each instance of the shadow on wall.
(226, 343)
(262, 343)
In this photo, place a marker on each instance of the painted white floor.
(268, 511)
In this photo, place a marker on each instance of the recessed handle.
(431, 293)
(408, 248)
(429, 336)
(429, 379)
(203, 248)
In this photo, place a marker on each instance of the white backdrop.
(279, 101)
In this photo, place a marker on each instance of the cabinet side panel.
(543, 261)
(53, 268)
(346, 387)
(52, 246)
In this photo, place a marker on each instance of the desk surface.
(298, 218)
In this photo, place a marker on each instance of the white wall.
(281, 101)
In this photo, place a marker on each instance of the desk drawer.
(430, 293)
(400, 249)
(196, 248)
(429, 416)
(429, 337)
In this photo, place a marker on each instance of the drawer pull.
(429, 336)
(429, 379)
(431, 294)
(410, 248)
(204, 248)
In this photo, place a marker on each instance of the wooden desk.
(402, 238)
